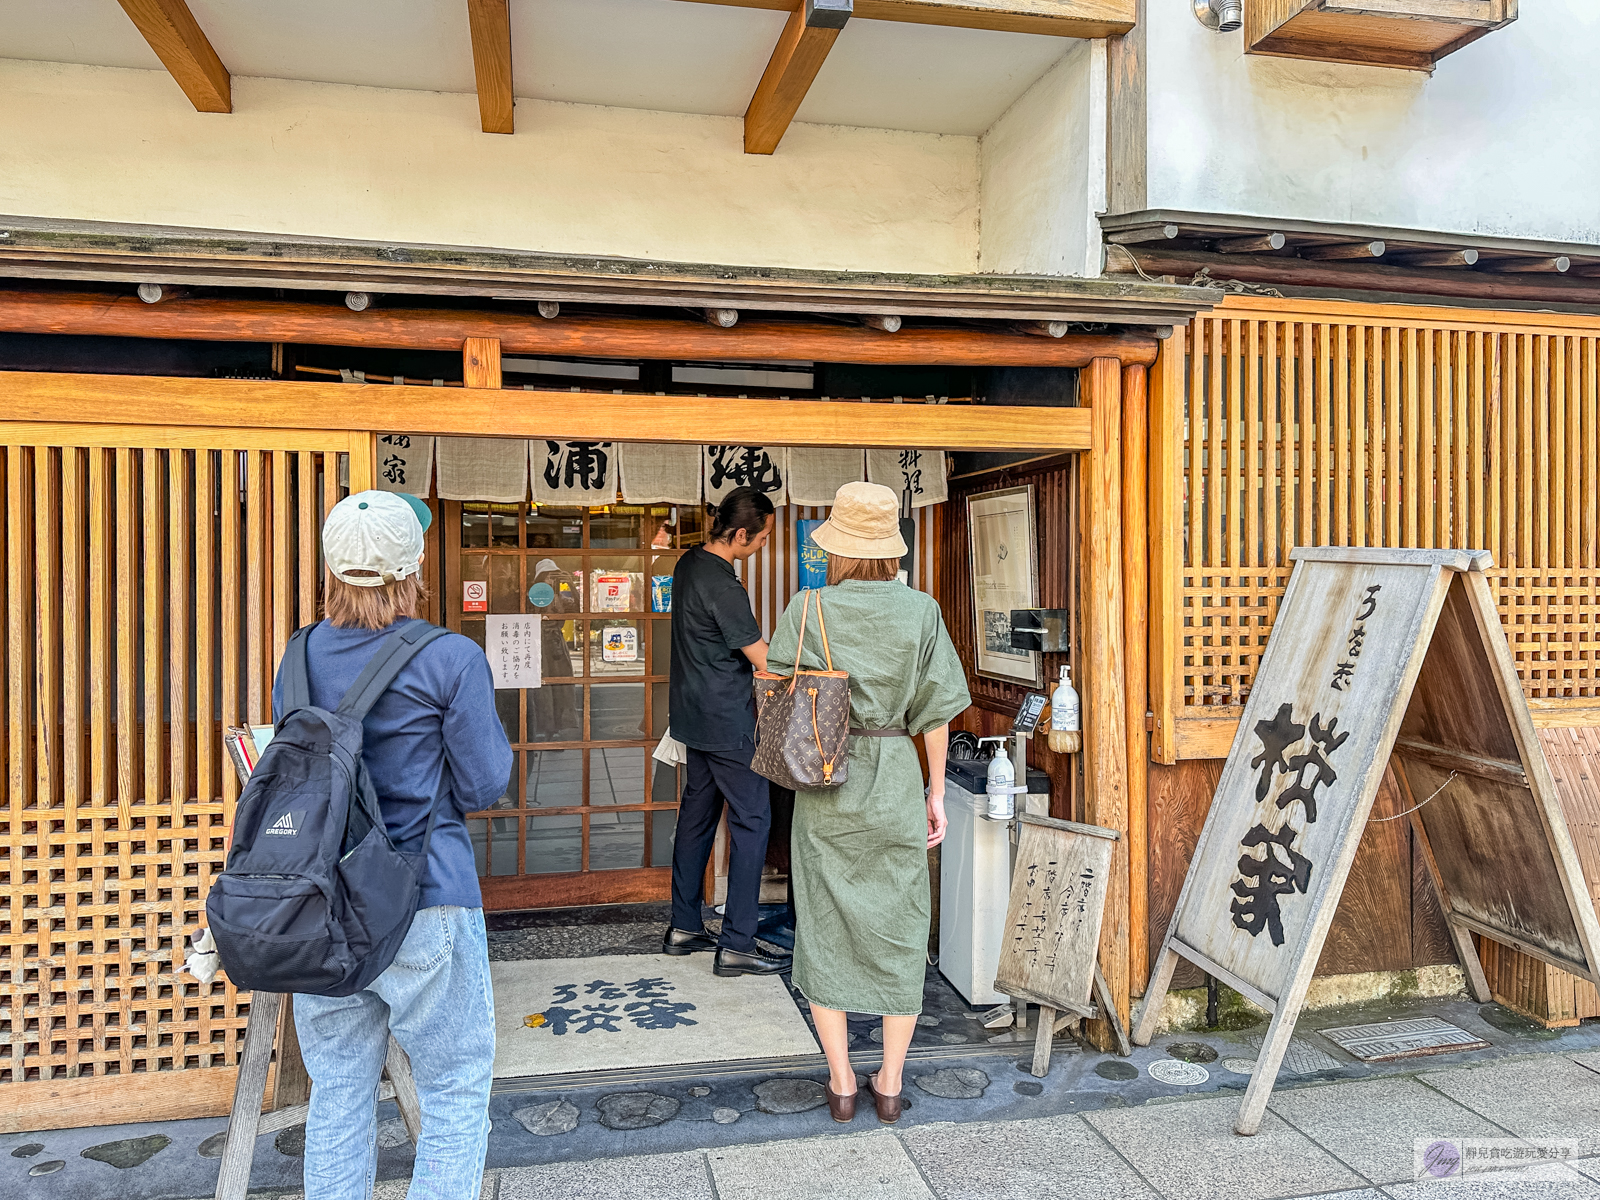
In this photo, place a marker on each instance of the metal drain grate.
(1403, 1039)
(1301, 1058)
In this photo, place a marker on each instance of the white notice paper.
(512, 644)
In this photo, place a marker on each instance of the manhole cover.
(1177, 1072)
(1239, 1066)
(1403, 1039)
(1301, 1058)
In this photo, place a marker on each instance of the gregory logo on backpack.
(287, 825)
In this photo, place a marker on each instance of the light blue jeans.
(435, 998)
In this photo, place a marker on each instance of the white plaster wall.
(1502, 140)
(109, 144)
(1042, 170)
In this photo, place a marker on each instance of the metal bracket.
(1042, 629)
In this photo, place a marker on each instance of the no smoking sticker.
(475, 595)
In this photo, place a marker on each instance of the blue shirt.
(439, 708)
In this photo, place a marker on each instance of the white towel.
(914, 474)
(405, 463)
(493, 469)
(573, 472)
(670, 750)
(760, 467)
(816, 475)
(658, 473)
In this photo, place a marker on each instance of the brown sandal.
(843, 1108)
(888, 1106)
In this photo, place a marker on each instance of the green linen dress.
(859, 858)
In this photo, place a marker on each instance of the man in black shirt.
(716, 645)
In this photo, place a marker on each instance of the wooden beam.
(1167, 401)
(247, 404)
(1372, 249)
(1263, 244)
(1441, 258)
(1153, 233)
(490, 21)
(1105, 740)
(1135, 631)
(184, 50)
(802, 48)
(211, 320)
(1558, 265)
(480, 362)
(1059, 18)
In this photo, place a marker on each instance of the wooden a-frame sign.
(1376, 653)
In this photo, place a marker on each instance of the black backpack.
(315, 898)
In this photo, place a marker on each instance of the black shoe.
(682, 941)
(755, 962)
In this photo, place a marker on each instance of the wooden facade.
(1331, 423)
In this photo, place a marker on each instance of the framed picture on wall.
(1005, 575)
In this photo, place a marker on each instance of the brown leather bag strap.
(800, 646)
(827, 654)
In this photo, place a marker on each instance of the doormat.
(558, 1015)
(1403, 1039)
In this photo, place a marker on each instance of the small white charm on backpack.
(202, 962)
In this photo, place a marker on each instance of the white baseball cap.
(376, 533)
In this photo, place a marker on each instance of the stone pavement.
(1098, 1128)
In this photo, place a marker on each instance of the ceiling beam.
(802, 48)
(1060, 18)
(184, 50)
(490, 21)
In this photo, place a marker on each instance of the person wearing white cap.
(859, 852)
(438, 716)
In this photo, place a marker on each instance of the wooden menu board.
(1375, 651)
(1052, 942)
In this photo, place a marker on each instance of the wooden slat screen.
(147, 593)
(1365, 426)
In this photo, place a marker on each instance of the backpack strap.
(397, 650)
(296, 673)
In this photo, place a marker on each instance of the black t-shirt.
(712, 700)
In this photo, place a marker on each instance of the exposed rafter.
(1062, 18)
(184, 50)
(803, 47)
(490, 21)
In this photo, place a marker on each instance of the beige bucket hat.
(865, 523)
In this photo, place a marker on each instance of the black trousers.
(712, 779)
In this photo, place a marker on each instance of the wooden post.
(1135, 613)
(1106, 735)
(1165, 425)
(480, 362)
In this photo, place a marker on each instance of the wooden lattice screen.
(1342, 424)
(152, 579)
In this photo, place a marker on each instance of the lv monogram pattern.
(803, 725)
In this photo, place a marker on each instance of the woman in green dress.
(859, 861)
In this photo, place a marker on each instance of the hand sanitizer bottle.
(1001, 781)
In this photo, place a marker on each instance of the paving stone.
(129, 1152)
(927, 1020)
(1051, 1158)
(46, 1168)
(291, 1141)
(1116, 1069)
(953, 1039)
(27, 1151)
(876, 1034)
(1027, 1087)
(958, 1083)
(639, 1177)
(1192, 1052)
(1548, 1096)
(862, 1166)
(1189, 1149)
(392, 1134)
(1373, 1125)
(1552, 1182)
(396, 1189)
(214, 1145)
(725, 1116)
(698, 1092)
(548, 1120)
(783, 1096)
(636, 1110)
